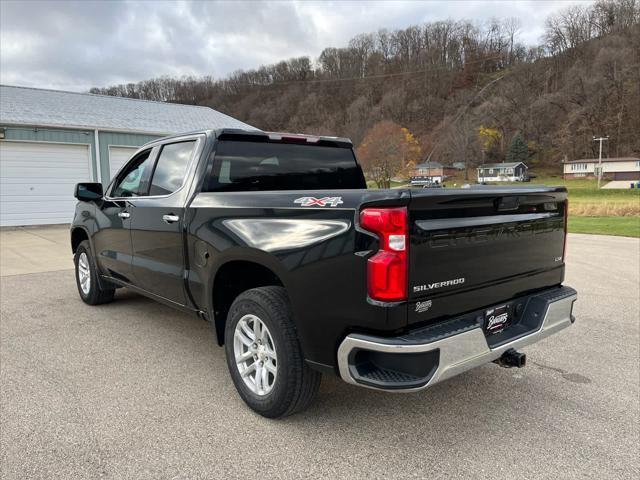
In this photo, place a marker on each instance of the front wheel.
(264, 355)
(89, 287)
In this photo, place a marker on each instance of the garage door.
(118, 156)
(37, 181)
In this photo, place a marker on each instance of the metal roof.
(54, 108)
(501, 165)
(429, 165)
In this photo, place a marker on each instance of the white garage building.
(50, 140)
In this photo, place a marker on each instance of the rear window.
(255, 166)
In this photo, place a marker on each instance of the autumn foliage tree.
(490, 138)
(388, 150)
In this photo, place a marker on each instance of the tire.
(293, 385)
(94, 293)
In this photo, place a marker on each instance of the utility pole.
(600, 139)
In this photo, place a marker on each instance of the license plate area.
(497, 319)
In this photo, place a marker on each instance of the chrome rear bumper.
(451, 352)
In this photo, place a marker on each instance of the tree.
(386, 151)
(460, 144)
(490, 138)
(518, 149)
(582, 81)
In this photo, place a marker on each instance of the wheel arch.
(78, 235)
(230, 279)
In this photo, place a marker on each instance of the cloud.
(74, 45)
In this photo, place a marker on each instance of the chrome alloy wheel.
(255, 354)
(84, 273)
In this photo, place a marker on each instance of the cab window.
(133, 181)
(171, 167)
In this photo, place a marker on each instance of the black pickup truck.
(276, 241)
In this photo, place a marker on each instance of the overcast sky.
(77, 45)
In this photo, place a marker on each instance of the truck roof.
(259, 135)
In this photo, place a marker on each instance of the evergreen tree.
(518, 149)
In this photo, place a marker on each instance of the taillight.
(387, 269)
(566, 229)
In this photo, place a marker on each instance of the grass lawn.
(621, 226)
(591, 210)
(372, 184)
(603, 211)
(585, 199)
(599, 211)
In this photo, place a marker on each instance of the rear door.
(157, 221)
(470, 248)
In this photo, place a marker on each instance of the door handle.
(170, 218)
(124, 214)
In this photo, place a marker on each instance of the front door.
(112, 242)
(156, 225)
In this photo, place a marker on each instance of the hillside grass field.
(599, 211)
(586, 200)
(591, 210)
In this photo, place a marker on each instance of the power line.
(351, 79)
(381, 75)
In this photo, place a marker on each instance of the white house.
(621, 168)
(51, 140)
(502, 172)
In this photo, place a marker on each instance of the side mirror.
(88, 192)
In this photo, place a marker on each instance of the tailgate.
(471, 248)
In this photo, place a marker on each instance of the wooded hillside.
(462, 90)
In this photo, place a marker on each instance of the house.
(427, 173)
(621, 168)
(50, 140)
(502, 172)
(453, 169)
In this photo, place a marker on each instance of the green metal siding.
(35, 134)
(116, 139)
(85, 137)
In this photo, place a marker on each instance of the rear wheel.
(89, 287)
(264, 355)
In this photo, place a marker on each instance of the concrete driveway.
(135, 390)
(35, 250)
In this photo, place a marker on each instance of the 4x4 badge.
(319, 202)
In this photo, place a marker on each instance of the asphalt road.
(135, 390)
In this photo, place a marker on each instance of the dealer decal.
(497, 321)
(423, 306)
(319, 202)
